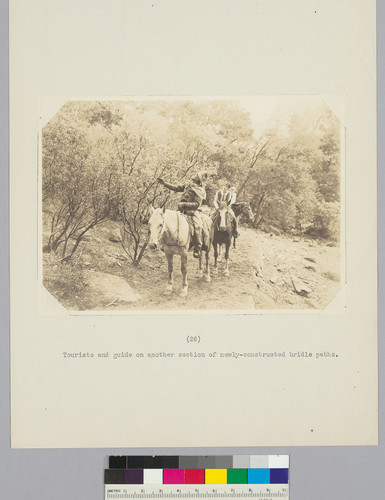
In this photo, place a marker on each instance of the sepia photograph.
(193, 225)
(192, 204)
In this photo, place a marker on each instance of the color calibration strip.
(198, 470)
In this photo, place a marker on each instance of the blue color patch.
(279, 476)
(258, 476)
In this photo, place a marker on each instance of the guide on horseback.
(194, 194)
(226, 196)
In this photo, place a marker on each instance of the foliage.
(77, 183)
(66, 280)
(294, 181)
(101, 160)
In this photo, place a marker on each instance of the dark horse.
(242, 210)
(223, 232)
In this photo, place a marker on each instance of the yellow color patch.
(216, 476)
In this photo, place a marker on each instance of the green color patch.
(236, 476)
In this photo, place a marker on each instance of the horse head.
(223, 220)
(155, 227)
(244, 210)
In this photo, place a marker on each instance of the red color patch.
(194, 476)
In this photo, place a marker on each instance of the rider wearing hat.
(227, 195)
(193, 195)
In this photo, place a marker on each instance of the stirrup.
(197, 252)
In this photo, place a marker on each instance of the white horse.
(171, 230)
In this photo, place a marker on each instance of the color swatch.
(209, 469)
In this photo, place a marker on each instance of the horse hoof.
(227, 273)
(168, 291)
(183, 293)
(199, 274)
(208, 279)
(215, 270)
(219, 259)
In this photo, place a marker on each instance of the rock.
(310, 259)
(258, 263)
(86, 259)
(258, 269)
(105, 261)
(300, 287)
(263, 301)
(274, 231)
(310, 268)
(106, 289)
(274, 280)
(331, 276)
(115, 237)
(270, 229)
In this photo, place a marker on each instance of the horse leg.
(169, 287)
(183, 260)
(215, 270)
(200, 271)
(207, 270)
(220, 253)
(234, 240)
(227, 272)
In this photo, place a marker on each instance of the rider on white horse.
(193, 195)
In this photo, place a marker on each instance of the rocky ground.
(267, 271)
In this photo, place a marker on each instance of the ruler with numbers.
(212, 492)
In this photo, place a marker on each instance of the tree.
(78, 186)
(295, 174)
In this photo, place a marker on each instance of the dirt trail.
(265, 270)
(233, 292)
(261, 272)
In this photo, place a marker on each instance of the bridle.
(218, 219)
(161, 233)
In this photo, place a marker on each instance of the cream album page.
(193, 223)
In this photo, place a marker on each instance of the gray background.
(316, 473)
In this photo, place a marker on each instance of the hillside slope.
(267, 271)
